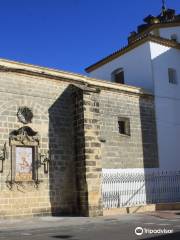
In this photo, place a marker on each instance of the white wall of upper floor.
(168, 32)
(168, 132)
(136, 64)
(162, 58)
(167, 104)
(147, 67)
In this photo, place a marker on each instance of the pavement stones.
(82, 228)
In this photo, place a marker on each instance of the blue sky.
(69, 34)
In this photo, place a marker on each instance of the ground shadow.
(62, 236)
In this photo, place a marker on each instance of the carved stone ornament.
(25, 136)
(3, 152)
(25, 115)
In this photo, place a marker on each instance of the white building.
(152, 60)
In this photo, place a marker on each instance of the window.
(118, 76)
(174, 37)
(124, 126)
(172, 76)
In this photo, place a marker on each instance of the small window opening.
(174, 37)
(172, 76)
(124, 126)
(118, 76)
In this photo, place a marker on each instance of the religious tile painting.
(24, 162)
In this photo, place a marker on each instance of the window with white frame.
(118, 75)
(172, 75)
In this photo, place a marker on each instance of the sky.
(70, 35)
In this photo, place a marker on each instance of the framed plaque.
(24, 144)
(24, 163)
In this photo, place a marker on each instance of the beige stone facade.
(76, 119)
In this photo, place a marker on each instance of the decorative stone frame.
(24, 137)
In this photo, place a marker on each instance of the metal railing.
(129, 188)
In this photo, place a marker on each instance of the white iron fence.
(126, 188)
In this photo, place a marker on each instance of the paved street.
(105, 228)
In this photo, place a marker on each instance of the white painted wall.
(136, 65)
(147, 67)
(167, 101)
(167, 32)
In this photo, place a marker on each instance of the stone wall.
(78, 124)
(51, 103)
(137, 150)
(88, 151)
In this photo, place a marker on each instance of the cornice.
(62, 76)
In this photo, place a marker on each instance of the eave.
(129, 47)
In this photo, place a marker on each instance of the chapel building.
(59, 131)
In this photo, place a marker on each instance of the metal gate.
(127, 188)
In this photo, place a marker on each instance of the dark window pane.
(119, 77)
(122, 127)
(172, 76)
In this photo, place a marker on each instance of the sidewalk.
(41, 222)
(51, 222)
(170, 215)
(100, 228)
